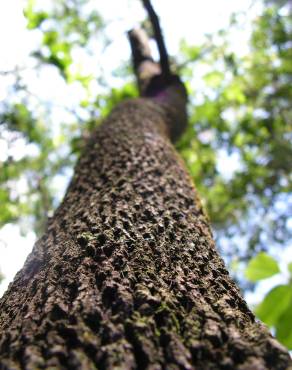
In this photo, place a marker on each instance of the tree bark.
(127, 275)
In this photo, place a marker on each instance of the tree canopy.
(237, 145)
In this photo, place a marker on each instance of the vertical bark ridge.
(127, 275)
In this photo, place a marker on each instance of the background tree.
(243, 110)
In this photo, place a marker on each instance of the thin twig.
(13, 71)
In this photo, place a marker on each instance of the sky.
(192, 20)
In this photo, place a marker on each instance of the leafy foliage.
(276, 307)
(242, 114)
(275, 304)
(64, 27)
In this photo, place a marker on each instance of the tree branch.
(144, 66)
(164, 61)
(140, 47)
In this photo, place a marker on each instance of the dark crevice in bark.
(140, 356)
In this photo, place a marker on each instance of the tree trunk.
(127, 275)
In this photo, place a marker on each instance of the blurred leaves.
(239, 138)
(65, 26)
(261, 267)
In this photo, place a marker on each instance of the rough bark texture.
(127, 275)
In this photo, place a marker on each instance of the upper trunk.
(127, 275)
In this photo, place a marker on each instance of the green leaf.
(290, 268)
(284, 327)
(274, 304)
(261, 267)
